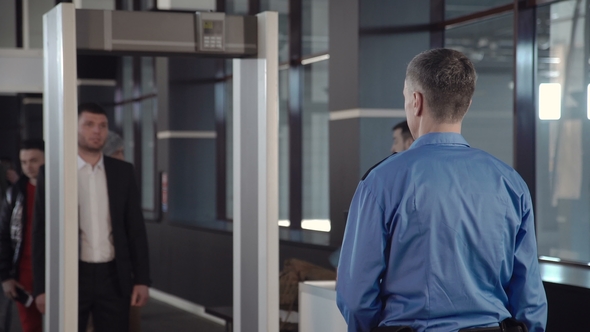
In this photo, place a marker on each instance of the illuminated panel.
(549, 101)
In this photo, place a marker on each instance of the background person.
(16, 234)
(402, 137)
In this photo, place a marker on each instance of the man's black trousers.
(101, 296)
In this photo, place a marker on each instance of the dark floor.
(158, 316)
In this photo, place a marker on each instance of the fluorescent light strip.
(91, 82)
(550, 101)
(185, 134)
(315, 59)
(588, 101)
(320, 225)
(367, 113)
(551, 259)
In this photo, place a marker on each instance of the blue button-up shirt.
(440, 237)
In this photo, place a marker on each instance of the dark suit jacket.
(129, 235)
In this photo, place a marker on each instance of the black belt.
(481, 329)
(393, 329)
(493, 329)
(509, 325)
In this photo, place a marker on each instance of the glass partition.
(458, 8)
(563, 131)
(488, 124)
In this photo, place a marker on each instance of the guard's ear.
(418, 103)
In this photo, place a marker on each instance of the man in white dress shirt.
(114, 264)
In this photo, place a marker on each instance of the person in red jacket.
(16, 220)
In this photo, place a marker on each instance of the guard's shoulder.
(377, 164)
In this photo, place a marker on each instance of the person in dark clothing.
(402, 137)
(16, 229)
(114, 262)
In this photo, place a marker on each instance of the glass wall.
(488, 124)
(563, 131)
(316, 193)
(284, 147)
(37, 8)
(315, 27)
(7, 24)
(456, 8)
(127, 109)
(148, 107)
(282, 7)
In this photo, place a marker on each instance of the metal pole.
(256, 128)
(61, 185)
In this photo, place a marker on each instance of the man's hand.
(9, 287)
(40, 302)
(140, 295)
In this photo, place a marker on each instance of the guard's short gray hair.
(113, 143)
(446, 78)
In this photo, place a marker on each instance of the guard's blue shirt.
(440, 237)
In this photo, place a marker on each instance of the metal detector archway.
(252, 41)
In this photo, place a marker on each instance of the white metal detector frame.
(255, 235)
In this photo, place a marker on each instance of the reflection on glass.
(315, 118)
(229, 117)
(284, 145)
(319, 225)
(128, 132)
(563, 186)
(588, 101)
(549, 101)
(236, 7)
(148, 157)
(7, 24)
(489, 121)
(36, 10)
(458, 8)
(282, 7)
(315, 27)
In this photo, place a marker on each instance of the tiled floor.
(157, 316)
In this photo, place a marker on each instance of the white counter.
(317, 307)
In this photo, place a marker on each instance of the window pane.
(95, 4)
(457, 8)
(378, 14)
(316, 193)
(229, 117)
(315, 27)
(7, 24)
(236, 7)
(37, 8)
(489, 121)
(563, 187)
(282, 7)
(148, 107)
(284, 145)
(128, 133)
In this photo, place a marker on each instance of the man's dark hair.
(446, 79)
(406, 134)
(91, 108)
(33, 144)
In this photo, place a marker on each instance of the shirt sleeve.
(362, 262)
(526, 294)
